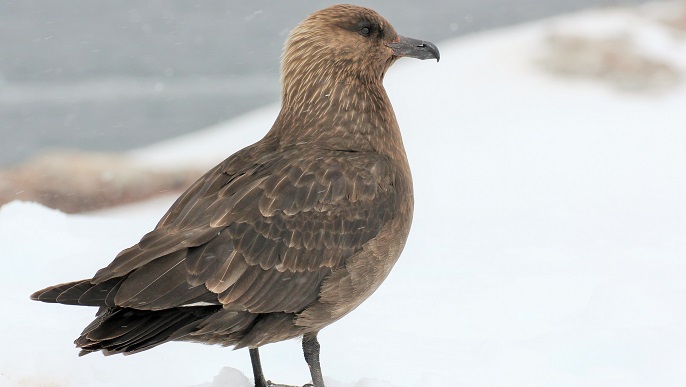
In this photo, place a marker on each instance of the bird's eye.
(364, 31)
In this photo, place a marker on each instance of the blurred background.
(112, 76)
(548, 160)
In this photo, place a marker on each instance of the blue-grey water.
(118, 75)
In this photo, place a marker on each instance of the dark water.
(119, 75)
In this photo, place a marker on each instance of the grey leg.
(260, 381)
(311, 351)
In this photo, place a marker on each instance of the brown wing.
(259, 233)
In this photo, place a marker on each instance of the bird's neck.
(347, 114)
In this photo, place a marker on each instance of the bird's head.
(344, 42)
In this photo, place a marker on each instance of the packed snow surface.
(548, 245)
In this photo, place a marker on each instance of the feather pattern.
(286, 235)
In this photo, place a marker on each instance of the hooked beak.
(414, 48)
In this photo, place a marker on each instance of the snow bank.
(547, 248)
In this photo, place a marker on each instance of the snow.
(547, 247)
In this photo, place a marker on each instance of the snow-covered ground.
(548, 245)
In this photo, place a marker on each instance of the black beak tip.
(433, 50)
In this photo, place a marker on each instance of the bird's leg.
(260, 381)
(311, 351)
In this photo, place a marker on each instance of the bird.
(287, 235)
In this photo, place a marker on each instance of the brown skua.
(287, 235)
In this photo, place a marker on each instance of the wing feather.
(259, 232)
(152, 281)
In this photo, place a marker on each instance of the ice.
(548, 244)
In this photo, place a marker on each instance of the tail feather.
(82, 292)
(126, 330)
(71, 296)
(118, 329)
(52, 293)
(102, 294)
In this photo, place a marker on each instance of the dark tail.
(81, 293)
(123, 330)
(127, 331)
